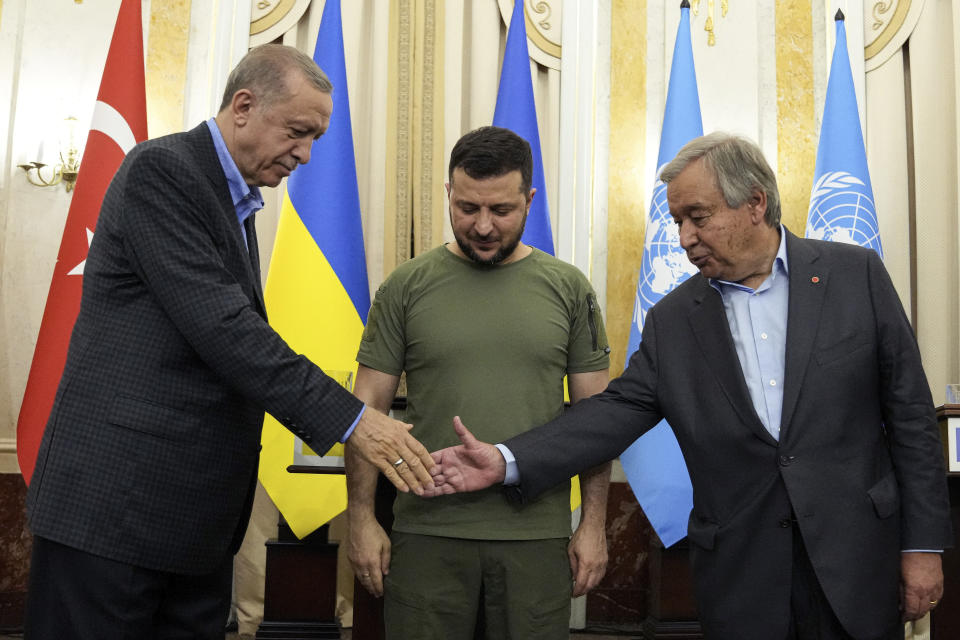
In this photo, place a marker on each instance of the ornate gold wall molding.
(414, 206)
(270, 19)
(544, 21)
(397, 211)
(886, 26)
(428, 173)
(710, 24)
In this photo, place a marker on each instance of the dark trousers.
(811, 616)
(77, 595)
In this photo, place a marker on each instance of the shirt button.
(763, 336)
(773, 383)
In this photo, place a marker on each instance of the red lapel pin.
(815, 279)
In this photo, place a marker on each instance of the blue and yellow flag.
(841, 201)
(653, 464)
(517, 111)
(317, 294)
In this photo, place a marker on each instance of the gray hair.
(264, 72)
(738, 165)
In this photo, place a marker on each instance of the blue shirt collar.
(780, 265)
(246, 199)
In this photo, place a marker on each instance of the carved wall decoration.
(710, 25)
(544, 20)
(270, 19)
(886, 26)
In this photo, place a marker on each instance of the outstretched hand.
(470, 466)
(386, 444)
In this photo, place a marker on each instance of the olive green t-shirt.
(490, 344)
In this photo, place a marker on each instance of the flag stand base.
(300, 590)
(672, 611)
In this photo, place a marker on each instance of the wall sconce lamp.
(64, 171)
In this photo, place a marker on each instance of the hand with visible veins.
(387, 444)
(921, 583)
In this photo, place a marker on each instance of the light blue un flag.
(517, 111)
(653, 464)
(841, 202)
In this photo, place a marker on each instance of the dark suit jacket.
(859, 460)
(150, 453)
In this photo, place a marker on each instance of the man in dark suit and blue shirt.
(145, 475)
(792, 380)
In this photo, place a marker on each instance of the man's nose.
(688, 236)
(484, 222)
(302, 151)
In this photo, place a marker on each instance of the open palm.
(470, 466)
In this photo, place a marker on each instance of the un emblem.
(664, 263)
(842, 210)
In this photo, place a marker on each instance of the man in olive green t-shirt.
(485, 328)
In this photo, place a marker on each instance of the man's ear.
(530, 195)
(758, 206)
(242, 105)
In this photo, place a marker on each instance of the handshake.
(388, 445)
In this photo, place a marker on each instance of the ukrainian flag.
(317, 294)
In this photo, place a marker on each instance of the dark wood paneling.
(15, 547)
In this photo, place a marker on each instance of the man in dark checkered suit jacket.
(145, 476)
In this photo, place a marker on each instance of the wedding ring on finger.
(396, 465)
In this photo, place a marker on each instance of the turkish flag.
(119, 122)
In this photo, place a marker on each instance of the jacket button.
(785, 523)
(306, 438)
(786, 461)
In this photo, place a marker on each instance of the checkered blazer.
(150, 454)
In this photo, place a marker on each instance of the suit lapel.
(809, 278)
(251, 229)
(247, 252)
(709, 322)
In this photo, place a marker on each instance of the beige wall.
(933, 73)
(911, 95)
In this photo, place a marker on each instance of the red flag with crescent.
(119, 122)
